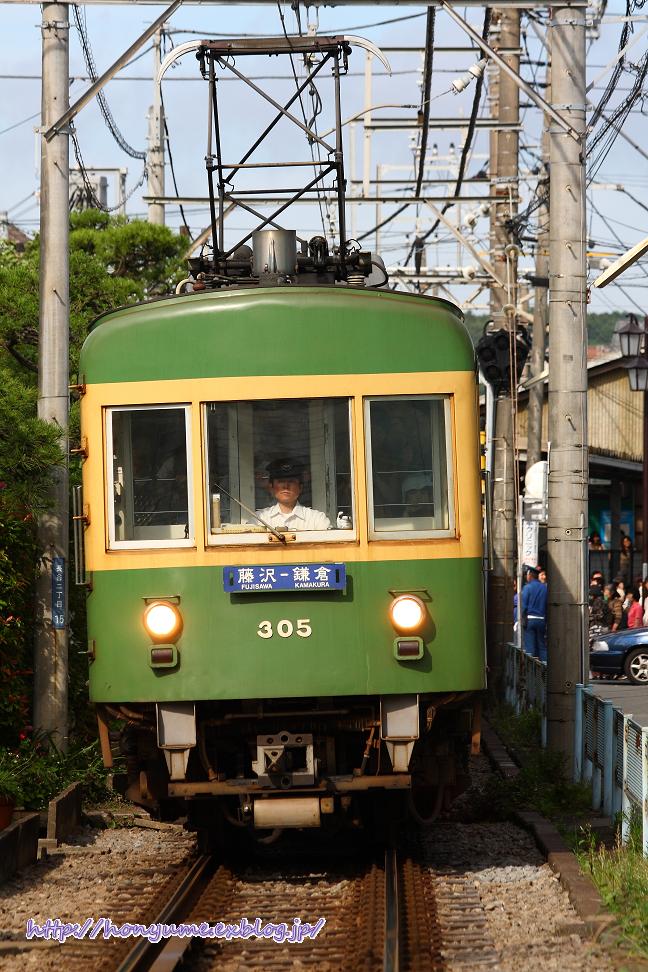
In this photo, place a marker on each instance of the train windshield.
(150, 488)
(409, 475)
(281, 466)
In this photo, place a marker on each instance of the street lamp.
(633, 341)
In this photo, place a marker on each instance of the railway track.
(395, 915)
(461, 897)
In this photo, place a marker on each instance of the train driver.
(286, 484)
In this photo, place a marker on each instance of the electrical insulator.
(474, 71)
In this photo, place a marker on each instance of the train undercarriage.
(266, 766)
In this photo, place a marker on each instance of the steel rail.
(391, 956)
(140, 956)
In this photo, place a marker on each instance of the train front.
(284, 552)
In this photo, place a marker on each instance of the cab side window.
(149, 474)
(409, 473)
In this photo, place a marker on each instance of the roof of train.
(274, 331)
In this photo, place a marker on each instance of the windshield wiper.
(247, 509)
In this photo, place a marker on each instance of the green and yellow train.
(271, 665)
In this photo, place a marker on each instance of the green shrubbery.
(621, 872)
(112, 262)
(542, 783)
(621, 876)
(34, 772)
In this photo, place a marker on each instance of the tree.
(600, 327)
(112, 262)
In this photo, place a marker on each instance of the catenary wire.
(80, 21)
(479, 84)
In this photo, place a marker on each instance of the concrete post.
(540, 307)
(51, 647)
(155, 155)
(568, 472)
(505, 27)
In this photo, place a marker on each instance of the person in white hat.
(285, 478)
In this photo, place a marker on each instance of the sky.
(616, 220)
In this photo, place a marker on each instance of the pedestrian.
(515, 602)
(625, 559)
(599, 613)
(595, 542)
(597, 578)
(634, 610)
(534, 615)
(542, 574)
(615, 606)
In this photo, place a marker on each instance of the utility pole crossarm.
(502, 64)
(101, 82)
(458, 235)
(622, 264)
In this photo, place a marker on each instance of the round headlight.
(407, 612)
(163, 621)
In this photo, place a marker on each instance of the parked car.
(622, 653)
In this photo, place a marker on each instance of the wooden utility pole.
(568, 468)
(51, 645)
(541, 303)
(505, 106)
(155, 154)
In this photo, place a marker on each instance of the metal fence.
(611, 751)
(525, 684)
(610, 748)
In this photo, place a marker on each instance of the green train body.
(269, 707)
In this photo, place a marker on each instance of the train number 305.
(285, 628)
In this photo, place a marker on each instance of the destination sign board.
(284, 577)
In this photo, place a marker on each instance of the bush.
(17, 575)
(621, 876)
(40, 772)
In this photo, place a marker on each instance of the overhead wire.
(88, 185)
(465, 151)
(606, 220)
(314, 94)
(607, 134)
(23, 121)
(80, 21)
(22, 201)
(169, 151)
(330, 30)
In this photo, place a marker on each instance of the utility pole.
(155, 156)
(51, 645)
(568, 468)
(505, 106)
(540, 304)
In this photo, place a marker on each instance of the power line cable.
(626, 30)
(89, 188)
(427, 87)
(22, 201)
(611, 229)
(316, 95)
(465, 150)
(608, 133)
(168, 145)
(23, 121)
(80, 21)
(331, 30)
(172, 167)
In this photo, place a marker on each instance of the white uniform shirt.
(299, 518)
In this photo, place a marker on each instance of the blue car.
(622, 653)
